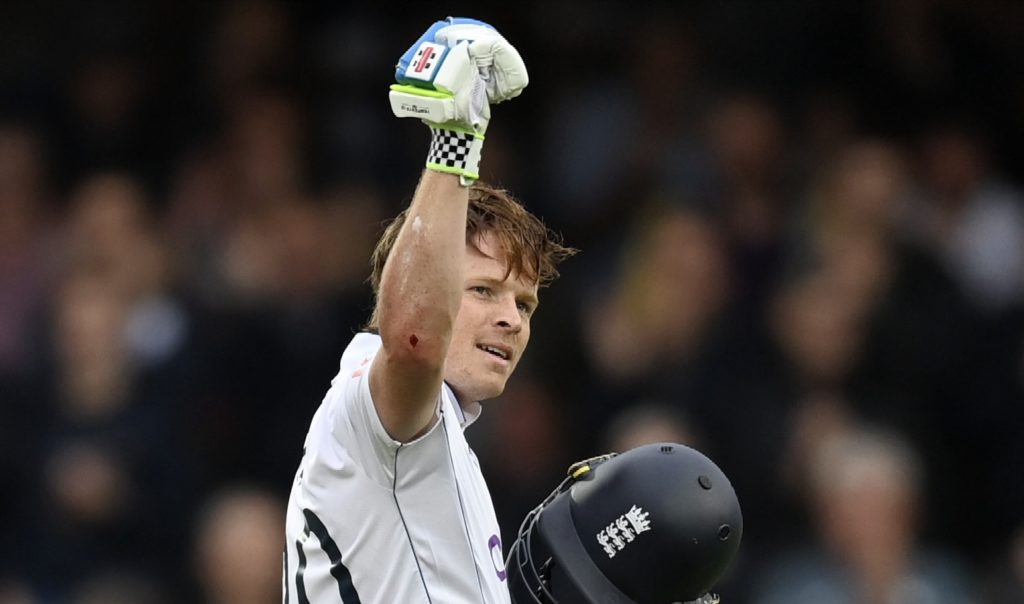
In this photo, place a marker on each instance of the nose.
(513, 327)
(509, 319)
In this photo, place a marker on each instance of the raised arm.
(417, 304)
(448, 78)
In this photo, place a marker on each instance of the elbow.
(412, 343)
(415, 329)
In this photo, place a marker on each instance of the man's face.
(492, 327)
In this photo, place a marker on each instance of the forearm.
(447, 78)
(421, 285)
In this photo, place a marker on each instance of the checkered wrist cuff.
(455, 152)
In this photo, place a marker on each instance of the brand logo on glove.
(623, 530)
(414, 108)
(425, 61)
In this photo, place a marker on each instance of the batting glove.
(449, 78)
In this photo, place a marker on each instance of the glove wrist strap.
(455, 151)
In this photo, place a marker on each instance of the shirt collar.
(468, 414)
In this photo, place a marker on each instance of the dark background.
(802, 235)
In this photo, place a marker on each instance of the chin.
(488, 391)
(480, 391)
(494, 393)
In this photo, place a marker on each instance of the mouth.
(498, 351)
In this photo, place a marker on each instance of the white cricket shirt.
(376, 521)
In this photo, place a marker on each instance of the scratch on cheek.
(413, 340)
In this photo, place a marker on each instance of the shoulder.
(356, 358)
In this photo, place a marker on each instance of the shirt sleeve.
(356, 426)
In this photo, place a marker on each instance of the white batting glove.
(499, 63)
(449, 78)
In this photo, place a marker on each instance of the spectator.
(26, 225)
(13, 593)
(864, 491)
(119, 588)
(971, 219)
(647, 336)
(1006, 582)
(239, 540)
(646, 423)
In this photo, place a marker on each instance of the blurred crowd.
(802, 235)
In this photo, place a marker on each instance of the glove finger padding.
(503, 66)
(458, 30)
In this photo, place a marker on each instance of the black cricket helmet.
(658, 524)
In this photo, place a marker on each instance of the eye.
(524, 308)
(481, 290)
